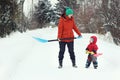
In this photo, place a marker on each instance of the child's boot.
(87, 64)
(95, 64)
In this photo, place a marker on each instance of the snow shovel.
(45, 40)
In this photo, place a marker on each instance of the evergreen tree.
(63, 3)
(7, 17)
(43, 13)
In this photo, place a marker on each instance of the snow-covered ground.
(23, 58)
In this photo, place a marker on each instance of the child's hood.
(94, 39)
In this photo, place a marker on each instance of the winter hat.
(69, 11)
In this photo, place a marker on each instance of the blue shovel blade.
(40, 40)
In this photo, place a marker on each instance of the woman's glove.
(80, 36)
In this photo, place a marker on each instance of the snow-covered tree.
(11, 16)
(20, 18)
(7, 17)
(43, 13)
(110, 14)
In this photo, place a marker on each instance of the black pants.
(70, 46)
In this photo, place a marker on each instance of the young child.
(91, 50)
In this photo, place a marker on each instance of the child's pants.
(90, 59)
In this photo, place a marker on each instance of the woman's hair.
(63, 12)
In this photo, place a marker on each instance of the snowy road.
(23, 58)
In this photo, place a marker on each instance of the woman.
(65, 30)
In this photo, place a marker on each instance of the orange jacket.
(65, 28)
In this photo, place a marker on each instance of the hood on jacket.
(94, 39)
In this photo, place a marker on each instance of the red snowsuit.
(92, 48)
